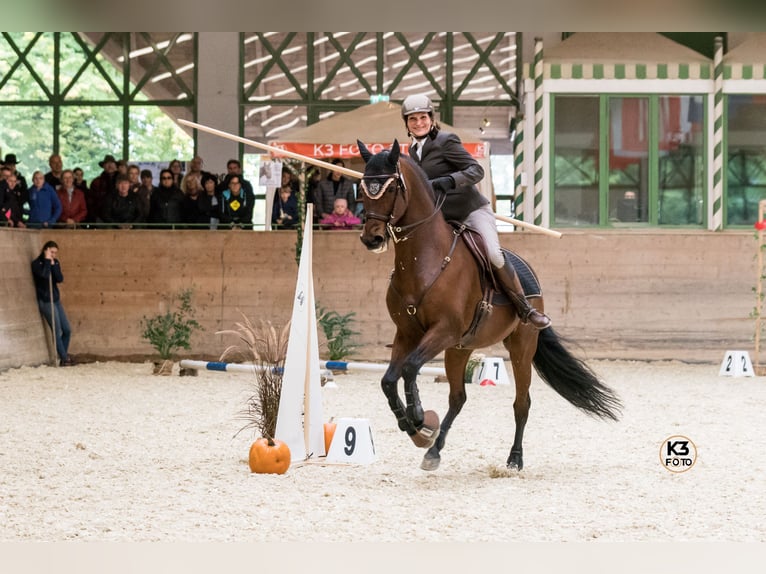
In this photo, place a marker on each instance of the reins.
(375, 191)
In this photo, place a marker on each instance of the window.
(622, 161)
(745, 158)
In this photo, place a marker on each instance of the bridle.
(375, 190)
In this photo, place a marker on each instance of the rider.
(452, 171)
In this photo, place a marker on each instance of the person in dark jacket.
(121, 208)
(334, 186)
(165, 203)
(453, 172)
(46, 271)
(236, 206)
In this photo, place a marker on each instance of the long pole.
(53, 316)
(339, 169)
(273, 149)
(759, 286)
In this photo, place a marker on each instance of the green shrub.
(172, 330)
(338, 333)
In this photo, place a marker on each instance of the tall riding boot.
(509, 281)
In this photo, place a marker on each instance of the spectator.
(101, 188)
(134, 175)
(10, 162)
(234, 167)
(145, 191)
(44, 204)
(194, 210)
(46, 271)
(195, 172)
(14, 201)
(237, 205)
(312, 190)
(122, 207)
(73, 208)
(122, 169)
(53, 177)
(4, 173)
(284, 214)
(341, 216)
(177, 172)
(336, 185)
(165, 203)
(79, 180)
(211, 200)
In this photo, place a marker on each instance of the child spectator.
(284, 214)
(341, 217)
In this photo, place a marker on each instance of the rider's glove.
(443, 183)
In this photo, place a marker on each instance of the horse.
(440, 298)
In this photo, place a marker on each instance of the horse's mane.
(412, 171)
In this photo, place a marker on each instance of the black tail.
(572, 378)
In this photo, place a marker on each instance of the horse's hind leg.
(521, 345)
(455, 361)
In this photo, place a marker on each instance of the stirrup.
(531, 310)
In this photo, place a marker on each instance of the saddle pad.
(527, 277)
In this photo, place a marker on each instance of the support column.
(537, 72)
(518, 164)
(716, 223)
(217, 97)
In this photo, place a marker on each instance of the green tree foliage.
(92, 122)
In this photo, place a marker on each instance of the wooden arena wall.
(642, 295)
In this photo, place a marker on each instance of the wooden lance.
(344, 170)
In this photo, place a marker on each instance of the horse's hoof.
(429, 432)
(430, 463)
(515, 461)
(416, 415)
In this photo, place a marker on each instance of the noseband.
(374, 190)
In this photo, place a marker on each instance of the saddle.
(492, 293)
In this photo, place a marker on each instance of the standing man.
(234, 167)
(101, 188)
(10, 162)
(46, 271)
(53, 177)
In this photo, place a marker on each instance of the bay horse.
(440, 300)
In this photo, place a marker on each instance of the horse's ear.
(393, 157)
(363, 151)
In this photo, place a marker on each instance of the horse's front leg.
(389, 384)
(400, 349)
(455, 361)
(431, 345)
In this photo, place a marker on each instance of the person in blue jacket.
(44, 204)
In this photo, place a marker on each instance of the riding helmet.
(417, 103)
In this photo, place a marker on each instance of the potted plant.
(171, 330)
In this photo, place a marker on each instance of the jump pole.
(339, 169)
(332, 365)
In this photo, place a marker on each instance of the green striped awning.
(632, 71)
(744, 71)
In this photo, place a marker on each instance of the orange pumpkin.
(269, 456)
(329, 432)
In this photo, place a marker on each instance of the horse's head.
(381, 185)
